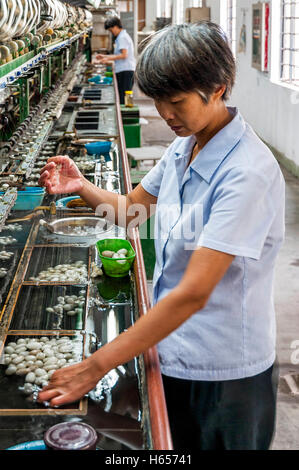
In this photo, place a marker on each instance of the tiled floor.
(287, 310)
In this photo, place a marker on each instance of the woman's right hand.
(61, 176)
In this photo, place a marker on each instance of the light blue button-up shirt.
(124, 41)
(230, 199)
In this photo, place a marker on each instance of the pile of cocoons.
(37, 358)
(95, 270)
(3, 272)
(4, 255)
(69, 304)
(7, 240)
(4, 186)
(13, 227)
(119, 255)
(75, 272)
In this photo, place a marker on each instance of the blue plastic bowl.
(63, 202)
(108, 80)
(98, 80)
(29, 199)
(98, 148)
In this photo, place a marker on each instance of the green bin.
(132, 135)
(111, 266)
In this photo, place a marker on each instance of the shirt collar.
(121, 33)
(214, 152)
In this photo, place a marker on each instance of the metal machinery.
(48, 107)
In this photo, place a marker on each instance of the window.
(290, 42)
(228, 14)
(178, 12)
(168, 8)
(179, 9)
(231, 24)
(159, 8)
(164, 8)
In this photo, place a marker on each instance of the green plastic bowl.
(111, 267)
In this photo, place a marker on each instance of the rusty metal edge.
(161, 434)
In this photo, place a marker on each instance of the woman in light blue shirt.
(218, 193)
(125, 62)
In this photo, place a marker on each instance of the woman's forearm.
(119, 56)
(129, 210)
(114, 57)
(161, 320)
(101, 201)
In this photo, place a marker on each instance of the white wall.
(154, 7)
(270, 108)
(150, 13)
(215, 9)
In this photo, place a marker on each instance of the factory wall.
(270, 107)
(161, 7)
(150, 14)
(215, 7)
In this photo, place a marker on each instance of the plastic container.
(98, 80)
(98, 148)
(63, 202)
(29, 199)
(132, 135)
(129, 103)
(108, 80)
(111, 266)
(71, 436)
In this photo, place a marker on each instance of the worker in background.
(125, 62)
(219, 198)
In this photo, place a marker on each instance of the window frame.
(231, 27)
(228, 22)
(287, 72)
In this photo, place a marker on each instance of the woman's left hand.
(70, 383)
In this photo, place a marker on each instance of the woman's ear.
(219, 92)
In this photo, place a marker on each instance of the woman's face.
(186, 113)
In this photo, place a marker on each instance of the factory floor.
(156, 132)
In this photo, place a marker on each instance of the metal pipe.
(51, 208)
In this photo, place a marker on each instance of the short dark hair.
(186, 57)
(113, 21)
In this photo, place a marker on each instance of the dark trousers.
(223, 415)
(125, 81)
